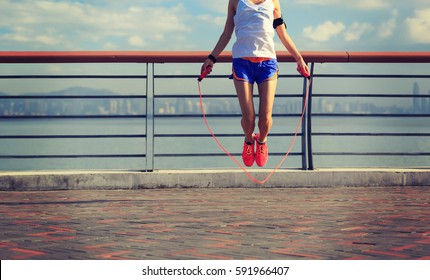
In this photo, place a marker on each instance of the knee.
(248, 121)
(265, 122)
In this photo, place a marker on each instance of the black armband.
(213, 58)
(279, 21)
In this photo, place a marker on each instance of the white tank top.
(254, 30)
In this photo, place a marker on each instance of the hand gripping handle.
(302, 71)
(204, 74)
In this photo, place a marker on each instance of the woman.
(254, 61)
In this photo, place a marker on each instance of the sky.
(360, 25)
(148, 25)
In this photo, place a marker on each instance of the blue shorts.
(249, 71)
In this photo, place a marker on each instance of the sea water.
(82, 153)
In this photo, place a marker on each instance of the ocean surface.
(82, 153)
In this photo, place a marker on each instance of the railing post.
(309, 122)
(303, 138)
(150, 89)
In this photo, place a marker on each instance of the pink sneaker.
(248, 154)
(262, 153)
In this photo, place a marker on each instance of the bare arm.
(286, 39)
(225, 37)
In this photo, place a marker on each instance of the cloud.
(75, 25)
(361, 4)
(217, 6)
(357, 30)
(328, 30)
(419, 26)
(372, 4)
(324, 32)
(47, 40)
(136, 41)
(387, 28)
(16, 38)
(208, 19)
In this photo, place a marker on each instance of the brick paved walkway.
(319, 223)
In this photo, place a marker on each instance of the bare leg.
(244, 93)
(266, 92)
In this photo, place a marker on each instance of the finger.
(205, 66)
(306, 69)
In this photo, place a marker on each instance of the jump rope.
(252, 178)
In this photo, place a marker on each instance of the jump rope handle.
(205, 73)
(305, 74)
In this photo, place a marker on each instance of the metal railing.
(371, 115)
(150, 152)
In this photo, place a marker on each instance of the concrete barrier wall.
(76, 180)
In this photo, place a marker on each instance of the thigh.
(266, 91)
(244, 92)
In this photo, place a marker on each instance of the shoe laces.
(249, 149)
(261, 148)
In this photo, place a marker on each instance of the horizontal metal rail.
(371, 115)
(372, 76)
(70, 156)
(371, 95)
(19, 77)
(371, 134)
(372, 154)
(31, 117)
(220, 135)
(31, 57)
(72, 97)
(107, 136)
(176, 155)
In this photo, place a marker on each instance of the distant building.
(416, 102)
(425, 105)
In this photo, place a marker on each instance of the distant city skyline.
(418, 103)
